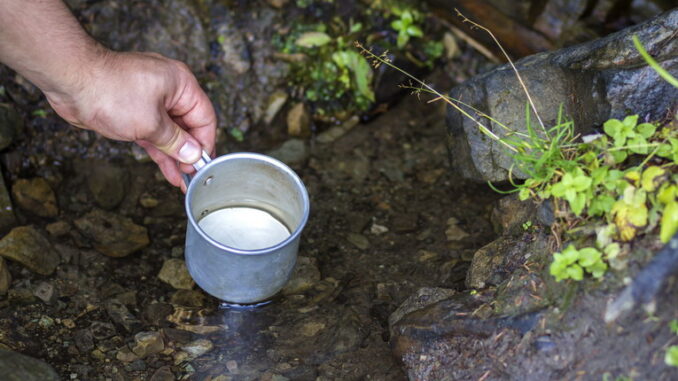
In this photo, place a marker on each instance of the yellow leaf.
(652, 177)
(669, 223)
(633, 177)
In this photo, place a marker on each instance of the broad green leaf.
(524, 194)
(397, 25)
(570, 255)
(665, 150)
(407, 17)
(646, 130)
(578, 203)
(575, 272)
(598, 175)
(671, 357)
(618, 156)
(588, 256)
(667, 194)
(415, 31)
(612, 250)
(673, 326)
(652, 178)
(638, 144)
(630, 121)
(669, 222)
(403, 37)
(581, 183)
(612, 127)
(313, 39)
(597, 269)
(632, 176)
(357, 27)
(600, 205)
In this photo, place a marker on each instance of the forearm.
(42, 41)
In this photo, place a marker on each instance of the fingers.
(168, 166)
(175, 142)
(194, 111)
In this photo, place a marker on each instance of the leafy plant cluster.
(625, 176)
(334, 77)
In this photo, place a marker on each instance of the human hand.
(145, 98)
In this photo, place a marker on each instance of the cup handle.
(204, 159)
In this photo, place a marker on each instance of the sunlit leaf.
(671, 357)
(669, 221)
(588, 256)
(313, 39)
(652, 178)
(415, 31)
(646, 130)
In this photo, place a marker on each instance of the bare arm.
(141, 97)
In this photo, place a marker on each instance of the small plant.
(406, 26)
(527, 225)
(571, 263)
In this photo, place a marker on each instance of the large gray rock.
(595, 81)
(17, 367)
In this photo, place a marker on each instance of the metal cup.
(245, 213)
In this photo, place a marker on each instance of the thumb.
(174, 141)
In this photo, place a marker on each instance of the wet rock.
(198, 347)
(405, 223)
(36, 196)
(298, 121)
(58, 229)
(163, 373)
(304, 277)
(17, 367)
(45, 292)
(102, 330)
(21, 297)
(107, 182)
(510, 214)
(422, 298)
(358, 240)
(11, 124)
(335, 132)
(188, 298)
(148, 343)
(493, 262)
(147, 201)
(5, 277)
(24, 244)
(171, 28)
(84, 340)
(7, 217)
(112, 235)
(291, 152)
(608, 75)
(156, 313)
(453, 231)
(275, 103)
(119, 313)
(175, 273)
(126, 355)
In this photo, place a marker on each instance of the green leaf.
(667, 193)
(407, 17)
(673, 326)
(578, 203)
(638, 144)
(403, 37)
(581, 183)
(313, 39)
(612, 250)
(652, 178)
(669, 221)
(597, 269)
(646, 130)
(671, 357)
(414, 31)
(601, 205)
(619, 156)
(357, 27)
(575, 272)
(630, 122)
(524, 194)
(588, 256)
(397, 25)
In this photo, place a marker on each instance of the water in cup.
(244, 228)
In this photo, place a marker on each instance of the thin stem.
(520, 79)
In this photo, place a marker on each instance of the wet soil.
(381, 198)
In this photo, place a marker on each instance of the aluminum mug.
(243, 182)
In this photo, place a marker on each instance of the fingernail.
(189, 153)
